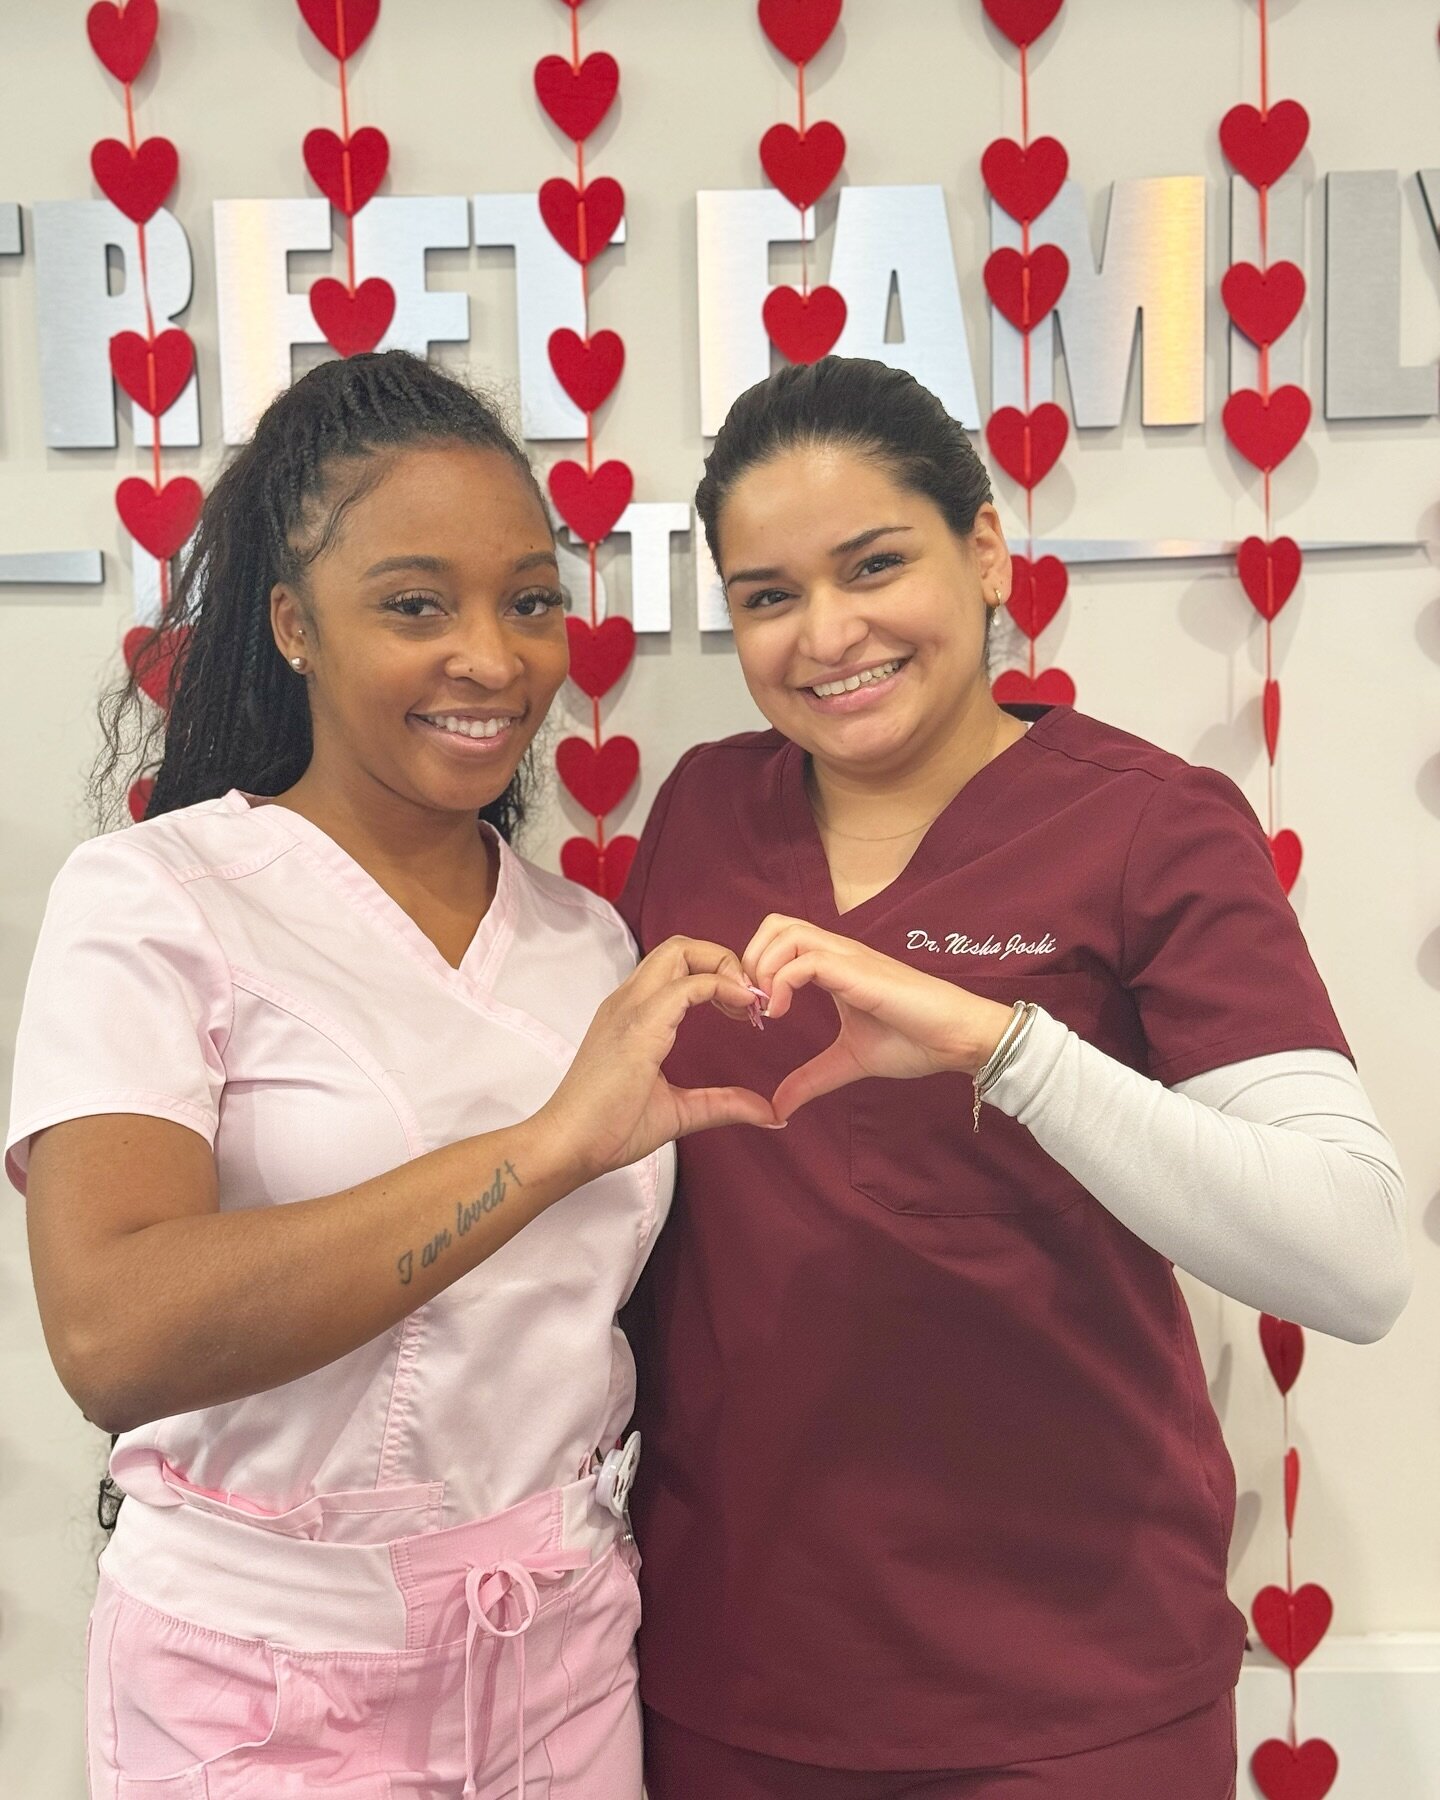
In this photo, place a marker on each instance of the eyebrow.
(858, 542)
(437, 565)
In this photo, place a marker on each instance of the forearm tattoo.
(468, 1214)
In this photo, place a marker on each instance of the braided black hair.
(237, 716)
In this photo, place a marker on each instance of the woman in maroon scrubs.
(934, 1502)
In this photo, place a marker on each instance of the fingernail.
(779, 1126)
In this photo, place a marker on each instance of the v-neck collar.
(485, 950)
(945, 836)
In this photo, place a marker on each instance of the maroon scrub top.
(931, 1474)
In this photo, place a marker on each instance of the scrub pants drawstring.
(488, 1593)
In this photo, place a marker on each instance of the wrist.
(562, 1153)
(985, 1023)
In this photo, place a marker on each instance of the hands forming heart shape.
(615, 1106)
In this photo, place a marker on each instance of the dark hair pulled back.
(238, 717)
(856, 404)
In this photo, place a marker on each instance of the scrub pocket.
(167, 1702)
(913, 1146)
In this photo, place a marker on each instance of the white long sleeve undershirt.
(1269, 1179)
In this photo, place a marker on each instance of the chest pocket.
(913, 1146)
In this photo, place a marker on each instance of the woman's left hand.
(894, 1021)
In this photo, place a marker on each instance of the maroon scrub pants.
(1192, 1758)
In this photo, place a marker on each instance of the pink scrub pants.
(496, 1659)
(1189, 1759)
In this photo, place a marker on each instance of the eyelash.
(886, 559)
(549, 599)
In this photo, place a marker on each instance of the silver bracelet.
(1004, 1053)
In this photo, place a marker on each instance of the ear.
(992, 554)
(287, 622)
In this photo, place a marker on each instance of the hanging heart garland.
(1292, 1624)
(123, 36)
(799, 29)
(577, 99)
(1024, 180)
(1283, 1344)
(151, 368)
(1022, 21)
(152, 371)
(1263, 303)
(1287, 855)
(802, 161)
(1263, 145)
(583, 216)
(1024, 287)
(162, 518)
(1037, 592)
(137, 178)
(1284, 1771)
(348, 168)
(587, 368)
(1265, 428)
(1268, 572)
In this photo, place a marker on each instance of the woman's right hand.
(614, 1106)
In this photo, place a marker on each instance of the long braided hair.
(237, 717)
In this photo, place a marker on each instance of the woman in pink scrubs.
(334, 1187)
(935, 1503)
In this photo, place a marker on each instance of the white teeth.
(826, 689)
(472, 728)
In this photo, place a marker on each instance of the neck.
(384, 831)
(916, 786)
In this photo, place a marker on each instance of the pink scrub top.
(230, 968)
(928, 1446)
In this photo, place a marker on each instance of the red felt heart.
(599, 654)
(582, 223)
(159, 519)
(1027, 445)
(152, 658)
(587, 368)
(1266, 428)
(577, 99)
(1270, 710)
(347, 174)
(152, 374)
(342, 26)
(1291, 1625)
(590, 503)
(1304, 1772)
(1292, 1488)
(1051, 687)
(1263, 302)
(804, 327)
(1024, 288)
(1022, 21)
(1268, 572)
(802, 167)
(353, 323)
(1262, 146)
(1037, 592)
(138, 798)
(1287, 854)
(122, 37)
(602, 871)
(797, 28)
(137, 184)
(1282, 1341)
(598, 779)
(1023, 180)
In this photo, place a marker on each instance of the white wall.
(1132, 89)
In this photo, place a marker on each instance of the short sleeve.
(1214, 957)
(128, 1002)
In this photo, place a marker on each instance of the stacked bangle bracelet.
(1004, 1053)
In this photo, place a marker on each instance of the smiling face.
(859, 614)
(432, 627)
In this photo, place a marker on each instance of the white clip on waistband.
(616, 1476)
